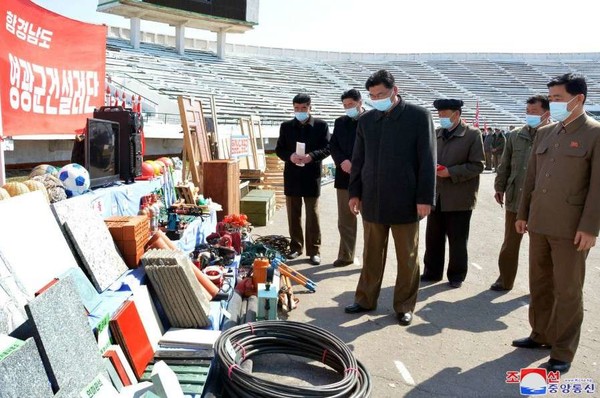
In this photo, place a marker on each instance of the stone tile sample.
(22, 374)
(91, 239)
(65, 341)
(31, 241)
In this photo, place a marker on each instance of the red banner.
(51, 70)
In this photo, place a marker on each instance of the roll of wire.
(291, 338)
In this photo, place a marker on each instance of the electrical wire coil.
(242, 342)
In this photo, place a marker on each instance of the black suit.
(342, 145)
(303, 182)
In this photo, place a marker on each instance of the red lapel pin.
(574, 144)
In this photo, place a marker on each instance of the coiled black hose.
(292, 338)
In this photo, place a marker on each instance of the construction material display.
(27, 218)
(21, 370)
(222, 185)
(242, 343)
(13, 297)
(91, 239)
(183, 298)
(196, 146)
(128, 331)
(130, 234)
(65, 341)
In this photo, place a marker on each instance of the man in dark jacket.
(392, 184)
(461, 160)
(303, 143)
(342, 144)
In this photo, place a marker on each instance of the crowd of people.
(394, 169)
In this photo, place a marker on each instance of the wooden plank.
(196, 144)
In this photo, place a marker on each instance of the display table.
(124, 199)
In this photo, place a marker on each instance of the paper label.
(10, 348)
(99, 388)
(103, 333)
(7, 144)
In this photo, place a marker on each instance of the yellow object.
(37, 186)
(15, 188)
(4, 194)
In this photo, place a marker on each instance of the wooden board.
(196, 148)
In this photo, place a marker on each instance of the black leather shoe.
(342, 263)
(315, 260)
(293, 255)
(497, 287)
(554, 365)
(528, 342)
(427, 278)
(355, 309)
(405, 318)
(455, 284)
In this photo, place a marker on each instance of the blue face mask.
(533, 120)
(352, 112)
(445, 122)
(301, 116)
(382, 104)
(558, 110)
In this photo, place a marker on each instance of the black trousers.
(454, 225)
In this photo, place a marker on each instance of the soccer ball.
(43, 169)
(75, 178)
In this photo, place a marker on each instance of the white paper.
(300, 150)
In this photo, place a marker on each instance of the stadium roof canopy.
(172, 16)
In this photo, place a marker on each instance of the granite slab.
(22, 374)
(65, 341)
(92, 240)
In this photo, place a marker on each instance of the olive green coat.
(513, 166)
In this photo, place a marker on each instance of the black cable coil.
(292, 338)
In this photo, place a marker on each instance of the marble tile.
(32, 243)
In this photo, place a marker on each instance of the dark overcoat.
(393, 164)
(306, 180)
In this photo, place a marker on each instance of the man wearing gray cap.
(460, 161)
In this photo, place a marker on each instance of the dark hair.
(353, 94)
(542, 99)
(301, 98)
(380, 77)
(574, 84)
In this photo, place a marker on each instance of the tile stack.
(130, 234)
(183, 298)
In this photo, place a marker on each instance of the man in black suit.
(303, 143)
(342, 144)
(392, 184)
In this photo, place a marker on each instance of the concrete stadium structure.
(261, 81)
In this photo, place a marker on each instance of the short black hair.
(380, 77)
(574, 84)
(353, 94)
(301, 98)
(542, 99)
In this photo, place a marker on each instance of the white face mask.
(558, 110)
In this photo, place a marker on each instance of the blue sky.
(400, 26)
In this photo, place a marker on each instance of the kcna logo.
(537, 381)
